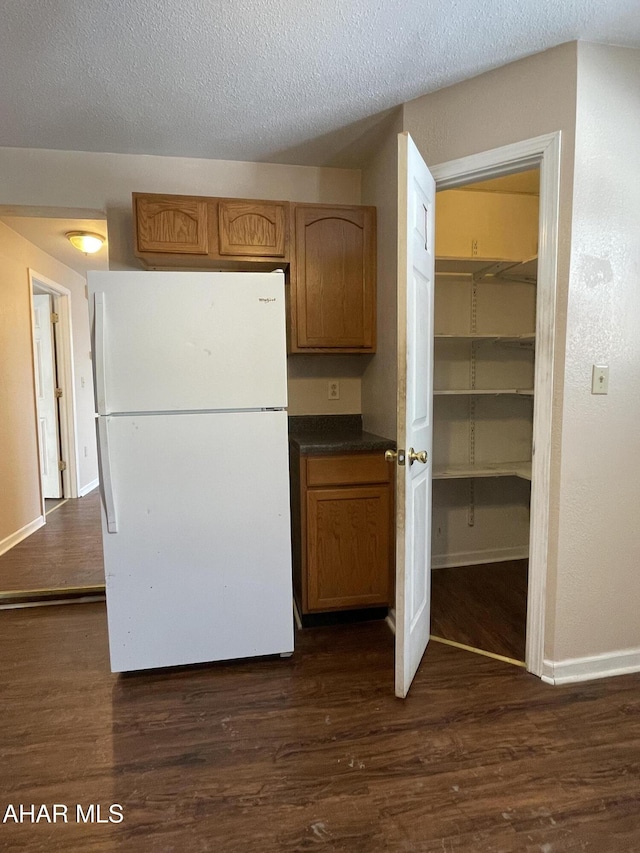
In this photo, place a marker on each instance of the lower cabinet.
(342, 517)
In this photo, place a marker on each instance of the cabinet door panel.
(348, 547)
(335, 277)
(249, 228)
(173, 224)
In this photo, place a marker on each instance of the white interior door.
(416, 232)
(46, 396)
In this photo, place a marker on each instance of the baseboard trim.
(391, 620)
(589, 668)
(17, 537)
(476, 558)
(88, 488)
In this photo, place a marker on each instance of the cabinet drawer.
(348, 469)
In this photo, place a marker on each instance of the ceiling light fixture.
(85, 241)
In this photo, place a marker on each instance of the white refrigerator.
(191, 395)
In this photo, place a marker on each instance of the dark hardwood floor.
(482, 606)
(64, 554)
(311, 752)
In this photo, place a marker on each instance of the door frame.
(541, 152)
(64, 360)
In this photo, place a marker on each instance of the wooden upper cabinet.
(333, 279)
(330, 252)
(200, 232)
(253, 228)
(176, 224)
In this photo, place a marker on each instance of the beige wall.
(591, 94)
(379, 187)
(105, 182)
(598, 584)
(519, 101)
(20, 501)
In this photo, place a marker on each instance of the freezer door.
(199, 568)
(183, 341)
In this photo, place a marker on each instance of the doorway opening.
(484, 362)
(53, 548)
(493, 383)
(55, 397)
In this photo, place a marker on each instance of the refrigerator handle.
(105, 470)
(98, 354)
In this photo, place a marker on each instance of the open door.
(47, 403)
(416, 234)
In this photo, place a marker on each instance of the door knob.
(392, 455)
(417, 456)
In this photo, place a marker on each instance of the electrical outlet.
(474, 248)
(333, 392)
(600, 379)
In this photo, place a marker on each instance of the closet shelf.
(491, 337)
(488, 392)
(486, 469)
(468, 266)
(490, 268)
(486, 336)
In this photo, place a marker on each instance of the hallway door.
(47, 401)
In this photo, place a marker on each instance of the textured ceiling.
(257, 79)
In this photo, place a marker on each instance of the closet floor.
(482, 606)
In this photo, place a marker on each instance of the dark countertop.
(324, 434)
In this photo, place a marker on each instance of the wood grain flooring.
(312, 752)
(65, 553)
(482, 606)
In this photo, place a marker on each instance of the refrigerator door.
(184, 341)
(200, 566)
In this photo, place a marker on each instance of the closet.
(484, 357)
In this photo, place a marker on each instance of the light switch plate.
(600, 379)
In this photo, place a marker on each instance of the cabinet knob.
(417, 456)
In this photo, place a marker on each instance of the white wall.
(598, 584)
(72, 179)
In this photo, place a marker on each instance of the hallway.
(64, 555)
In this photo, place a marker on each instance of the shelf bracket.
(471, 511)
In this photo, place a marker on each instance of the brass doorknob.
(417, 456)
(391, 455)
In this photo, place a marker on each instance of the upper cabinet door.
(334, 279)
(171, 224)
(252, 228)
